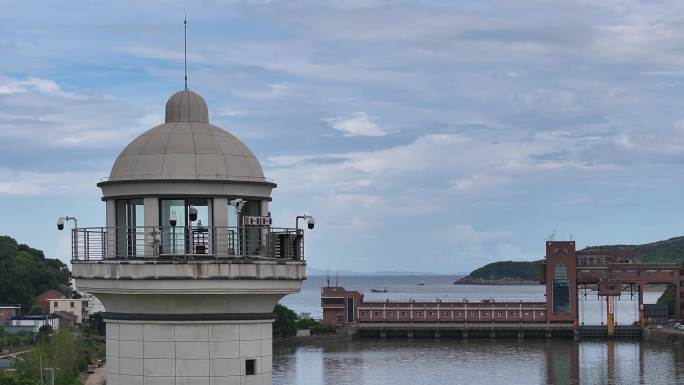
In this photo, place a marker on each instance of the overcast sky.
(424, 136)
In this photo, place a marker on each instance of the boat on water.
(380, 289)
(421, 283)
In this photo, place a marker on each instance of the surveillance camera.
(310, 223)
(173, 219)
(193, 214)
(239, 204)
(60, 224)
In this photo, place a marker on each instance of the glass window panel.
(130, 234)
(173, 238)
(561, 290)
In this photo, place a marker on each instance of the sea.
(472, 361)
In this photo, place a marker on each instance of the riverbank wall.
(332, 337)
(665, 335)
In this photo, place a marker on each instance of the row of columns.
(464, 334)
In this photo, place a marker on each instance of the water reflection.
(478, 361)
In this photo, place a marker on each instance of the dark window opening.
(350, 309)
(332, 301)
(250, 367)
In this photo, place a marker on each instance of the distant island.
(323, 272)
(503, 273)
(527, 272)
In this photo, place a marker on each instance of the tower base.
(152, 352)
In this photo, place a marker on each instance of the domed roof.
(186, 106)
(187, 147)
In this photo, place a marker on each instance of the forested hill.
(512, 272)
(669, 251)
(507, 272)
(26, 273)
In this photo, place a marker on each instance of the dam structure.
(189, 266)
(568, 275)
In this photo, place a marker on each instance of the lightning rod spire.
(185, 48)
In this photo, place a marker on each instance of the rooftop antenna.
(327, 278)
(185, 48)
(552, 237)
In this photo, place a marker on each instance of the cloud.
(465, 233)
(480, 182)
(22, 183)
(359, 124)
(42, 112)
(389, 121)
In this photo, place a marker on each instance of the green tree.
(10, 379)
(35, 310)
(96, 324)
(61, 351)
(304, 321)
(26, 273)
(284, 325)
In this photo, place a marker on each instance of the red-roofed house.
(44, 299)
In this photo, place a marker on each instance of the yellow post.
(641, 304)
(611, 316)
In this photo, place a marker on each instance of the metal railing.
(166, 242)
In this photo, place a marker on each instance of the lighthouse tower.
(189, 266)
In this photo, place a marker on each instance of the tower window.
(561, 290)
(250, 367)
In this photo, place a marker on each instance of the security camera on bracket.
(61, 220)
(310, 221)
(239, 204)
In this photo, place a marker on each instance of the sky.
(428, 136)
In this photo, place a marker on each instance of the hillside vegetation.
(26, 273)
(667, 251)
(510, 272)
(506, 272)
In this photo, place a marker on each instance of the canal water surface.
(478, 361)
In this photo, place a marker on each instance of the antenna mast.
(185, 48)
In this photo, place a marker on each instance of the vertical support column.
(610, 356)
(111, 228)
(151, 207)
(221, 231)
(610, 319)
(266, 243)
(678, 302)
(641, 287)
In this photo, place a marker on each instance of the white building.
(36, 321)
(77, 307)
(188, 266)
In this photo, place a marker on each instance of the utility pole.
(51, 375)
